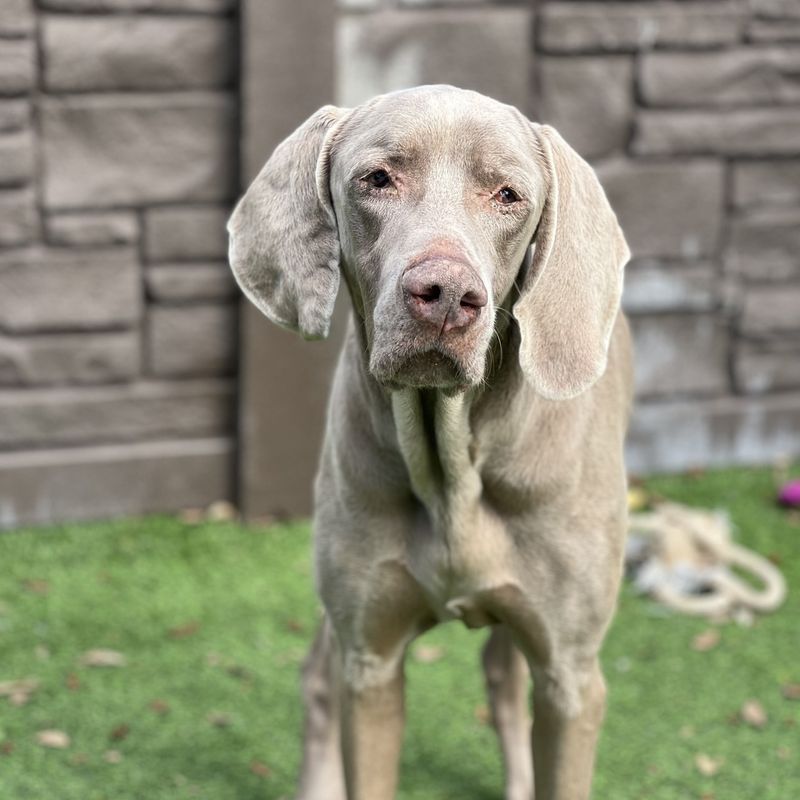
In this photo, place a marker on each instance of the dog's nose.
(444, 294)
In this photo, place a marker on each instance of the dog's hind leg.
(322, 773)
(507, 684)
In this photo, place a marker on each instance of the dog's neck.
(435, 434)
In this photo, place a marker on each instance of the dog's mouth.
(429, 368)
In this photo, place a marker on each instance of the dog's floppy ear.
(571, 293)
(284, 244)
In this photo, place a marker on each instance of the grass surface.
(214, 619)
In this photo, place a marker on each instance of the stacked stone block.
(118, 164)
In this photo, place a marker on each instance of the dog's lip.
(424, 367)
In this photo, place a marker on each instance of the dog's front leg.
(373, 717)
(568, 710)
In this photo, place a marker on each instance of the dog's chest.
(460, 548)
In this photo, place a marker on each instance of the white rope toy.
(683, 558)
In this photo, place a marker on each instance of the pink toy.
(789, 495)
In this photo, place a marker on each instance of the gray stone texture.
(680, 354)
(69, 289)
(397, 49)
(14, 115)
(132, 412)
(171, 6)
(671, 436)
(104, 150)
(59, 359)
(765, 244)
(766, 183)
(770, 30)
(16, 158)
(580, 88)
(771, 310)
(196, 340)
(177, 283)
(746, 131)
(16, 17)
(47, 486)
(667, 208)
(17, 66)
(435, 3)
(615, 26)
(775, 9)
(737, 76)
(653, 286)
(186, 233)
(767, 367)
(19, 219)
(100, 228)
(91, 53)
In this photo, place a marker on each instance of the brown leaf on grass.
(260, 769)
(428, 653)
(6, 747)
(753, 714)
(53, 738)
(112, 756)
(238, 671)
(36, 585)
(72, 682)
(79, 759)
(192, 516)
(120, 732)
(160, 706)
(220, 719)
(708, 796)
(20, 691)
(295, 626)
(707, 765)
(482, 714)
(102, 657)
(791, 691)
(184, 631)
(705, 641)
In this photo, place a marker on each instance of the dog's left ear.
(284, 242)
(571, 292)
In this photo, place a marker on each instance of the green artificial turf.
(214, 619)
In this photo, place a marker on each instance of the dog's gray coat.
(473, 475)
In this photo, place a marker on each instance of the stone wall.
(119, 160)
(118, 164)
(690, 112)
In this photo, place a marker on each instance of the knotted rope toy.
(684, 558)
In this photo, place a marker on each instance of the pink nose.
(444, 294)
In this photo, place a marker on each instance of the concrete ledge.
(51, 486)
(730, 431)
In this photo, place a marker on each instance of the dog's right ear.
(284, 243)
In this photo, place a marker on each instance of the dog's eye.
(379, 179)
(506, 196)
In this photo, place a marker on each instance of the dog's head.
(439, 206)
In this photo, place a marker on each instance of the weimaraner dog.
(472, 467)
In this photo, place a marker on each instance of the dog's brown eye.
(506, 196)
(379, 179)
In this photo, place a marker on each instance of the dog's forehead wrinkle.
(419, 124)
